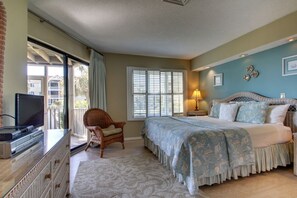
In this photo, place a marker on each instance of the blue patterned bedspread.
(199, 148)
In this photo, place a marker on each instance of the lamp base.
(196, 108)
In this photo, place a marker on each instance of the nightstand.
(295, 153)
(197, 113)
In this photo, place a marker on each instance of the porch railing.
(55, 121)
(78, 127)
(54, 118)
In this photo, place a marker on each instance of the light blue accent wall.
(269, 83)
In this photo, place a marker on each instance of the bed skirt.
(266, 159)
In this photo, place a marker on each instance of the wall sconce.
(196, 96)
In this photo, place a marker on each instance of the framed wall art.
(289, 65)
(218, 79)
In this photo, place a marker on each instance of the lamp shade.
(196, 95)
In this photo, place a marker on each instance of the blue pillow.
(252, 112)
(215, 110)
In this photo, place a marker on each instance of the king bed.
(244, 134)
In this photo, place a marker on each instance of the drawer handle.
(47, 176)
(57, 161)
(57, 185)
(67, 163)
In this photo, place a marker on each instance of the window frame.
(130, 90)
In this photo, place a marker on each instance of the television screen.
(29, 110)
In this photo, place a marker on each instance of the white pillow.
(276, 114)
(228, 111)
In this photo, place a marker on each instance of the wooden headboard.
(291, 118)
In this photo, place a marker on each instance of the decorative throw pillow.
(215, 110)
(228, 112)
(252, 112)
(276, 114)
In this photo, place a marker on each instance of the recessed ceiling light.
(177, 2)
(242, 55)
(291, 39)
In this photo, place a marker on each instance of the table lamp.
(196, 96)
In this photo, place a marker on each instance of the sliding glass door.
(78, 100)
(63, 81)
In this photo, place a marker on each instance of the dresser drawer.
(60, 154)
(41, 182)
(48, 193)
(44, 178)
(62, 178)
(64, 192)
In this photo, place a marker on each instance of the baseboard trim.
(133, 138)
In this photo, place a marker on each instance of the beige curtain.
(97, 81)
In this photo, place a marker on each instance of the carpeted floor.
(143, 176)
(126, 177)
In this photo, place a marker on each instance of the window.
(153, 92)
(35, 85)
(54, 84)
(53, 93)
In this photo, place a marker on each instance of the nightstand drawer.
(295, 153)
(197, 113)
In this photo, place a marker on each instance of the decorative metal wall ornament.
(251, 72)
(255, 74)
(247, 77)
(250, 68)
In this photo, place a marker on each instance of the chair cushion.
(111, 130)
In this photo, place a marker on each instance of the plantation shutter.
(155, 93)
(139, 94)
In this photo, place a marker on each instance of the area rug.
(127, 177)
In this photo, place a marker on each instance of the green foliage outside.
(81, 88)
(81, 104)
(81, 82)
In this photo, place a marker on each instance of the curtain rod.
(41, 19)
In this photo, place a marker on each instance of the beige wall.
(15, 55)
(116, 69)
(280, 29)
(49, 34)
(116, 81)
(20, 24)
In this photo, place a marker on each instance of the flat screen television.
(29, 110)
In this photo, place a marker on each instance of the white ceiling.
(157, 28)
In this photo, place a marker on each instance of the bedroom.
(15, 55)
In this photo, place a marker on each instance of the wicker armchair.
(103, 129)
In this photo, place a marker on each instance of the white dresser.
(41, 171)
